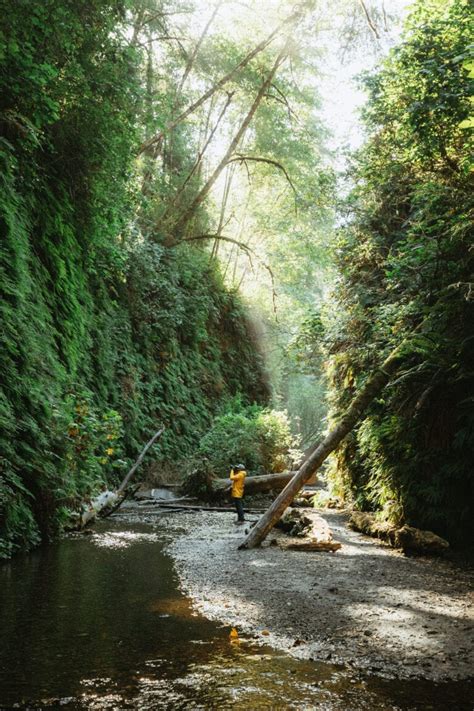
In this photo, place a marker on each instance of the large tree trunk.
(257, 484)
(355, 412)
(202, 484)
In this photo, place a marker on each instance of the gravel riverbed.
(366, 606)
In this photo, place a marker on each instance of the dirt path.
(366, 605)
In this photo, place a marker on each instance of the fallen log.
(311, 544)
(408, 538)
(202, 484)
(145, 449)
(312, 530)
(186, 507)
(304, 525)
(257, 484)
(112, 500)
(110, 509)
(151, 501)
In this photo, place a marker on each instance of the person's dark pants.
(239, 507)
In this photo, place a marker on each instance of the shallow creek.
(98, 622)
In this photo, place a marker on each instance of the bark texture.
(409, 539)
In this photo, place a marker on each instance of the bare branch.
(270, 161)
(280, 101)
(164, 38)
(200, 155)
(385, 23)
(234, 143)
(284, 100)
(245, 248)
(370, 22)
(151, 17)
(192, 56)
(228, 182)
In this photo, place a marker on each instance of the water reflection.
(98, 622)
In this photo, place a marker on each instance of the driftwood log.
(309, 544)
(109, 501)
(256, 484)
(307, 531)
(173, 506)
(409, 539)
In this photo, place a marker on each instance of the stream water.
(98, 622)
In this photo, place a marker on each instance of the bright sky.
(341, 96)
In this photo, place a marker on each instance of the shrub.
(257, 437)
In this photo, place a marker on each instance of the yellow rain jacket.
(238, 482)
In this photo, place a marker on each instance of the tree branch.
(244, 247)
(270, 161)
(284, 100)
(370, 22)
(233, 144)
(224, 80)
(192, 56)
(200, 156)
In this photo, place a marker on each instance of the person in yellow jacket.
(237, 477)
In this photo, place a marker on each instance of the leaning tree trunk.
(189, 212)
(112, 500)
(294, 17)
(355, 412)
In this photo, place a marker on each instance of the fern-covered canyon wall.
(106, 333)
(406, 262)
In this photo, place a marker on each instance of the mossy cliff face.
(406, 262)
(104, 334)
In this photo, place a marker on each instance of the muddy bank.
(366, 606)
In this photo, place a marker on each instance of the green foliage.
(104, 335)
(259, 438)
(306, 347)
(94, 445)
(406, 259)
(20, 529)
